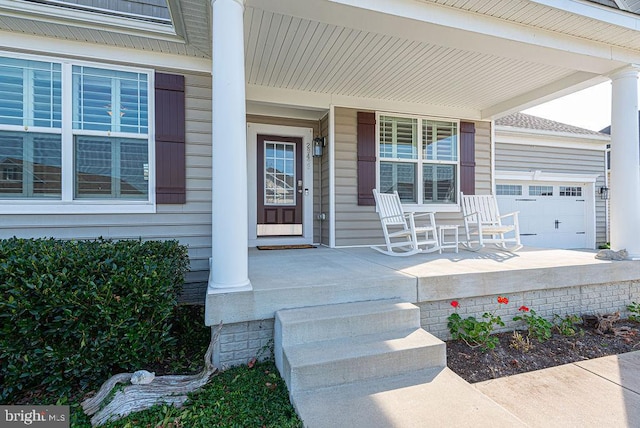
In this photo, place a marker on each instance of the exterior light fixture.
(318, 145)
(604, 193)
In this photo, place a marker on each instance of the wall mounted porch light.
(318, 145)
(604, 193)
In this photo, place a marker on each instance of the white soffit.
(590, 21)
(305, 55)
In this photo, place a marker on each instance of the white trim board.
(538, 175)
(531, 137)
(253, 129)
(95, 52)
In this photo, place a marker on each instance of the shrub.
(475, 332)
(567, 325)
(537, 326)
(75, 312)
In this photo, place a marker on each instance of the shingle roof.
(527, 121)
(146, 10)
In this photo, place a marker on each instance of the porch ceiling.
(484, 59)
(287, 52)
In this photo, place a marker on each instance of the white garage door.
(552, 215)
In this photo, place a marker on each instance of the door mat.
(285, 247)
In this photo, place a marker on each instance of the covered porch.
(550, 281)
(328, 61)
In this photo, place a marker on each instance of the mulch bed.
(474, 365)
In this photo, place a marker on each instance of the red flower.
(503, 300)
(523, 309)
(455, 303)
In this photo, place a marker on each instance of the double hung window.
(418, 158)
(73, 133)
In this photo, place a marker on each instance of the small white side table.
(448, 244)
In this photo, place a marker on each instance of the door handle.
(558, 224)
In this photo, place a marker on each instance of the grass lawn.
(238, 397)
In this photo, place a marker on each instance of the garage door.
(552, 215)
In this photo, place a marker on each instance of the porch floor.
(307, 277)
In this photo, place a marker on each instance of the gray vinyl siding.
(359, 225)
(321, 189)
(516, 157)
(190, 223)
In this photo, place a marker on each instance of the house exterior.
(198, 121)
(553, 174)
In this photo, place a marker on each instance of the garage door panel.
(549, 221)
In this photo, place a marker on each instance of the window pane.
(570, 191)
(134, 169)
(439, 183)
(30, 165)
(440, 140)
(279, 173)
(508, 189)
(400, 177)
(398, 137)
(540, 190)
(30, 93)
(111, 168)
(108, 100)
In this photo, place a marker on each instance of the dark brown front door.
(279, 186)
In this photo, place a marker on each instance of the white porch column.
(229, 264)
(625, 163)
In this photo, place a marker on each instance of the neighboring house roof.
(527, 121)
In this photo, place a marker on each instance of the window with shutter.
(418, 158)
(96, 153)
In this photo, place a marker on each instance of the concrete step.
(434, 397)
(340, 361)
(319, 323)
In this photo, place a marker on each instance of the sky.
(589, 108)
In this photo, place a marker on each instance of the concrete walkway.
(603, 392)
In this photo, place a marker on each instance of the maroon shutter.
(170, 139)
(468, 158)
(366, 157)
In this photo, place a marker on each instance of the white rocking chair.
(397, 224)
(482, 218)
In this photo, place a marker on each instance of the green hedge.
(72, 313)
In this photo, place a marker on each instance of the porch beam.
(568, 85)
(625, 163)
(229, 263)
(313, 100)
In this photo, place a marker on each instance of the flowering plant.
(537, 326)
(474, 332)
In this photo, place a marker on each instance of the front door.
(279, 174)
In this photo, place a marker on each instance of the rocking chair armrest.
(416, 215)
(512, 214)
(389, 216)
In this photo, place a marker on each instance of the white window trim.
(419, 162)
(66, 204)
